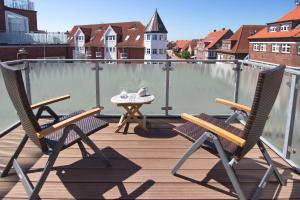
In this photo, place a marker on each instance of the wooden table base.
(131, 116)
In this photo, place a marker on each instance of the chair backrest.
(267, 89)
(15, 87)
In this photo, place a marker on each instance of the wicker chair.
(231, 144)
(51, 138)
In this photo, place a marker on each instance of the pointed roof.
(156, 25)
(293, 15)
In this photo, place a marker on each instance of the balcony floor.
(141, 165)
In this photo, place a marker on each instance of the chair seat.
(88, 126)
(193, 132)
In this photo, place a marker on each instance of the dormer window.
(127, 37)
(79, 38)
(110, 37)
(138, 37)
(272, 29)
(284, 27)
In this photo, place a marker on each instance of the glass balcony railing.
(20, 4)
(33, 38)
(179, 86)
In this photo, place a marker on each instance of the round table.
(132, 105)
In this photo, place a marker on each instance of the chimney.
(2, 16)
(215, 30)
(223, 29)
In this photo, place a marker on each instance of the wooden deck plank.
(141, 165)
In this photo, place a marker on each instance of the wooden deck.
(141, 165)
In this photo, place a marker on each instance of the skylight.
(127, 37)
(138, 37)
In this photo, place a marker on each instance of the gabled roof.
(155, 25)
(240, 39)
(214, 37)
(183, 44)
(122, 29)
(294, 15)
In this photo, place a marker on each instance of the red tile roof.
(240, 39)
(293, 15)
(183, 44)
(123, 29)
(293, 33)
(214, 37)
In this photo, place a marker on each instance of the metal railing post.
(167, 107)
(97, 78)
(27, 81)
(237, 70)
(291, 111)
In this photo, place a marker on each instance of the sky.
(184, 19)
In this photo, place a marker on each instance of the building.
(124, 40)
(209, 46)
(182, 45)
(237, 46)
(18, 30)
(279, 42)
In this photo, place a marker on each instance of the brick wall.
(10, 53)
(133, 53)
(2, 16)
(291, 59)
(32, 17)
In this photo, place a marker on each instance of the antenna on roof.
(297, 2)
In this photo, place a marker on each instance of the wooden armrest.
(67, 122)
(50, 101)
(215, 129)
(234, 105)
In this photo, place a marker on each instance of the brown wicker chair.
(51, 138)
(231, 144)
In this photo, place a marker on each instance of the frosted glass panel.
(194, 87)
(296, 136)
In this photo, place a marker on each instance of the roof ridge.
(239, 38)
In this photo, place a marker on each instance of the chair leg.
(49, 165)
(14, 156)
(229, 170)
(189, 152)
(270, 162)
(90, 143)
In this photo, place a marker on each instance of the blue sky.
(184, 19)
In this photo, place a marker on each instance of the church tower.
(156, 39)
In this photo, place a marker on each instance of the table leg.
(132, 111)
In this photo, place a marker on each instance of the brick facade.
(289, 59)
(32, 17)
(10, 52)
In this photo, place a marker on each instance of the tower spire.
(156, 25)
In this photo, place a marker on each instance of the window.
(110, 37)
(148, 51)
(284, 27)
(79, 38)
(299, 49)
(166, 37)
(161, 51)
(148, 37)
(81, 48)
(263, 47)
(106, 49)
(110, 49)
(154, 37)
(285, 48)
(275, 47)
(138, 37)
(161, 37)
(272, 29)
(256, 47)
(154, 51)
(127, 37)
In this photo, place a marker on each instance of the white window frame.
(275, 48)
(256, 47)
(148, 51)
(272, 28)
(148, 37)
(154, 51)
(284, 27)
(286, 48)
(161, 51)
(263, 47)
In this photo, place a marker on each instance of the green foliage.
(186, 55)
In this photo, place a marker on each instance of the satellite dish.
(297, 2)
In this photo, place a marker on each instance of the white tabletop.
(132, 98)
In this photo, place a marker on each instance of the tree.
(186, 54)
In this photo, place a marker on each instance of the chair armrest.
(67, 122)
(215, 129)
(50, 101)
(234, 105)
